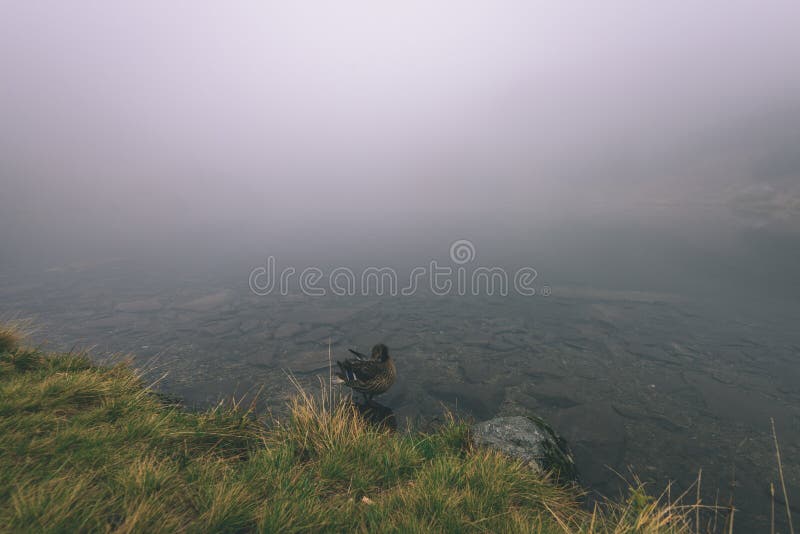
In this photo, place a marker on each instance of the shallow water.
(655, 384)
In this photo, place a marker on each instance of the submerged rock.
(529, 439)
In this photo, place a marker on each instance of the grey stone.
(529, 439)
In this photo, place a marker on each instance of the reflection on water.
(378, 415)
(663, 384)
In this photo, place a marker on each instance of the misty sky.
(135, 119)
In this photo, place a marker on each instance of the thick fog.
(156, 128)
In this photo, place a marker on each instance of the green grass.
(89, 448)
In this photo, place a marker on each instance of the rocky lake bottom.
(653, 384)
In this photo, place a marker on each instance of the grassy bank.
(87, 447)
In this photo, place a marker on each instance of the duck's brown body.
(369, 376)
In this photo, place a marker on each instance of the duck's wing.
(353, 370)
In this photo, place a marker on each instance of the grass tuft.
(12, 334)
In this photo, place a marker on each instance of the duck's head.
(380, 352)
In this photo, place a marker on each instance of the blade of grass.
(780, 474)
(697, 502)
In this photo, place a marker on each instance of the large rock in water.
(529, 439)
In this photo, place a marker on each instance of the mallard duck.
(369, 375)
